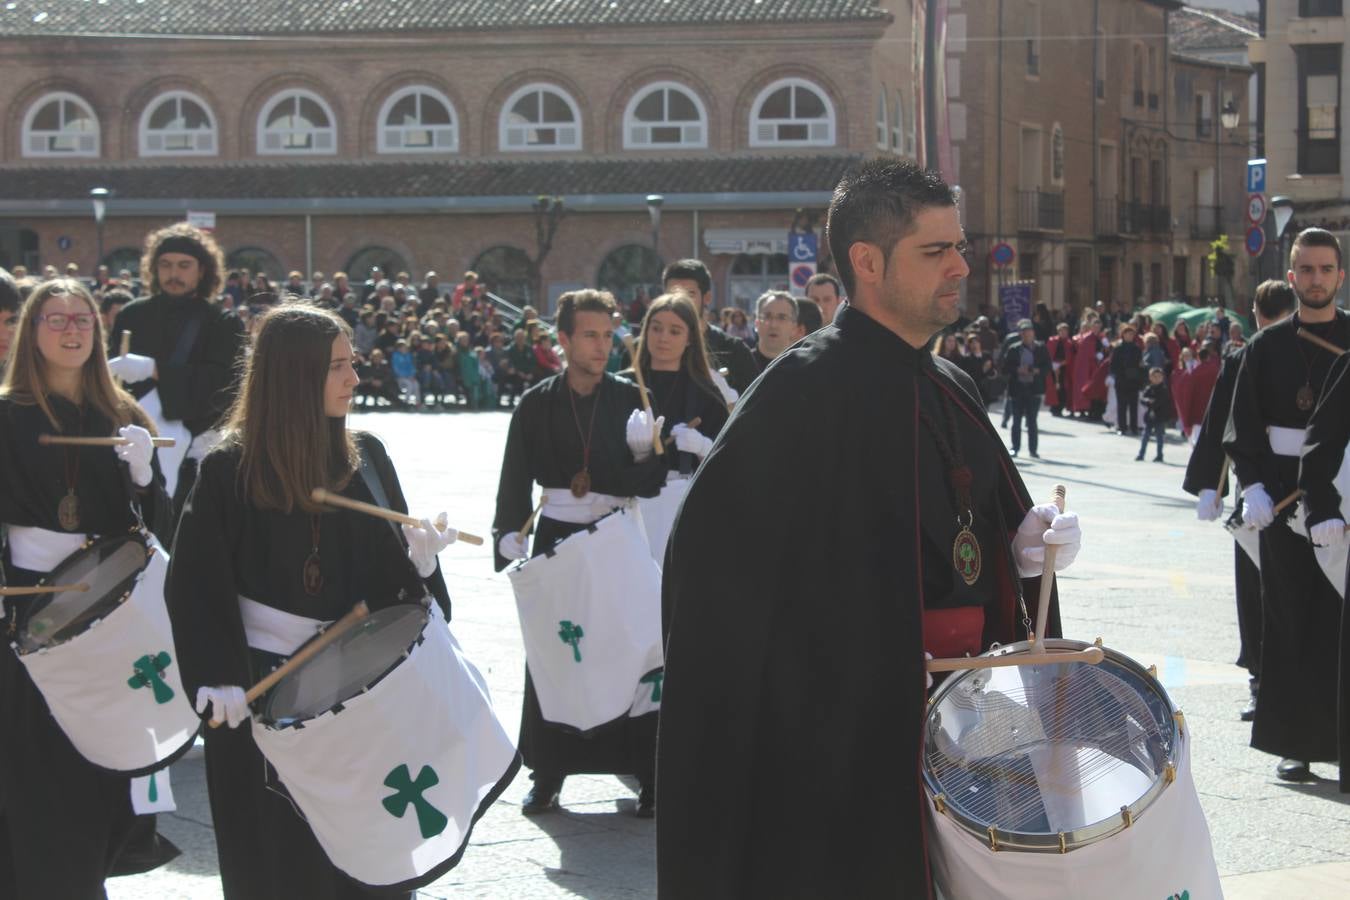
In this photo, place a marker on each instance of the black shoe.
(646, 803)
(1294, 770)
(1139, 458)
(542, 798)
(1249, 711)
(1035, 455)
(1157, 459)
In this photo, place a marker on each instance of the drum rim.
(137, 534)
(997, 839)
(299, 722)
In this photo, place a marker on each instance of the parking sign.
(1256, 176)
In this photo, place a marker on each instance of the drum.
(387, 742)
(104, 658)
(1334, 561)
(1063, 781)
(658, 514)
(590, 615)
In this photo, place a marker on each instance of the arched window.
(60, 124)
(363, 260)
(628, 268)
(506, 272)
(540, 117)
(296, 122)
(792, 112)
(663, 115)
(418, 119)
(256, 260)
(178, 124)
(883, 128)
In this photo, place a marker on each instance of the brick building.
(429, 134)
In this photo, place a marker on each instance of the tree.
(548, 214)
(1223, 266)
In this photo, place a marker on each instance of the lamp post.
(99, 196)
(654, 202)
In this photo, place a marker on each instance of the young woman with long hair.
(65, 820)
(258, 566)
(676, 371)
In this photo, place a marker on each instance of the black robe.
(544, 445)
(676, 396)
(732, 354)
(196, 392)
(791, 727)
(63, 820)
(225, 548)
(1328, 435)
(1296, 701)
(1202, 473)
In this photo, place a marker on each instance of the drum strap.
(377, 491)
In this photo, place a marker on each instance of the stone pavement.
(1151, 581)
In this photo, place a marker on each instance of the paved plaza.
(1151, 581)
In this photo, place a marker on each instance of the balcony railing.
(1040, 210)
(1144, 218)
(1206, 222)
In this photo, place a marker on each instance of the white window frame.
(88, 145)
(829, 122)
(883, 119)
(327, 135)
(506, 131)
(206, 142)
(383, 130)
(631, 126)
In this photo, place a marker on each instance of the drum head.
(108, 567)
(1036, 752)
(351, 664)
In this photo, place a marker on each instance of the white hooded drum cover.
(1063, 781)
(170, 458)
(104, 658)
(658, 515)
(387, 742)
(590, 614)
(1335, 559)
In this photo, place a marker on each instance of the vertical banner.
(1015, 299)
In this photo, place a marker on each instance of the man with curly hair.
(181, 364)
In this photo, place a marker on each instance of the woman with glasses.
(66, 820)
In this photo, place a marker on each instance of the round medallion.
(966, 556)
(581, 483)
(68, 512)
(1305, 398)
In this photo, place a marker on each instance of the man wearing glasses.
(776, 323)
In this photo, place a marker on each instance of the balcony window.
(1319, 107)
(1319, 9)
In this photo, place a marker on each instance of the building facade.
(336, 138)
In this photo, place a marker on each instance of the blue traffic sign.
(801, 274)
(1002, 254)
(1256, 176)
(1256, 240)
(64, 243)
(802, 246)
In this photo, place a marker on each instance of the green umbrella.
(1196, 318)
(1167, 311)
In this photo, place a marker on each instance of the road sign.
(802, 246)
(1256, 208)
(64, 243)
(1256, 176)
(1256, 240)
(1002, 254)
(206, 221)
(801, 273)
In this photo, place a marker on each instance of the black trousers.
(1127, 408)
(1025, 408)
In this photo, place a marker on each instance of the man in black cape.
(788, 763)
(1274, 301)
(1282, 380)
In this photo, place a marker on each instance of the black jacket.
(1012, 360)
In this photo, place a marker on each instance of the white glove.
(1032, 536)
(425, 540)
(514, 545)
(1209, 506)
(689, 440)
(729, 393)
(926, 657)
(1329, 533)
(227, 700)
(1258, 510)
(203, 444)
(639, 433)
(137, 453)
(132, 367)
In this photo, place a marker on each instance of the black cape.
(226, 547)
(1328, 435)
(676, 396)
(790, 739)
(64, 822)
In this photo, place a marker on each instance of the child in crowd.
(470, 380)
(1158, 410)
(405, 372)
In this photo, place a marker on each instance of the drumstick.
(319, 495)
(1320, 342)
(692, 423)
(42, 589)
(1223, 477)
(1047, 575)
(59, 440)
(529, 523)
(642, 390)
(1092, 656)
(332, 633)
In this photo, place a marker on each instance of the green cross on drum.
(572, 634)
(149, 671)
(409, 792)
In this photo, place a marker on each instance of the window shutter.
(637, 135)
(567, 137)
(323, 140)
(820, 131)
(766, 133)
(154, 142)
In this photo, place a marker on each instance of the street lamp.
(100, 197)
(654, 202)
(1228, 119)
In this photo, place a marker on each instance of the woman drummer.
(675, 370)
(66, 820)
(258, 567)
